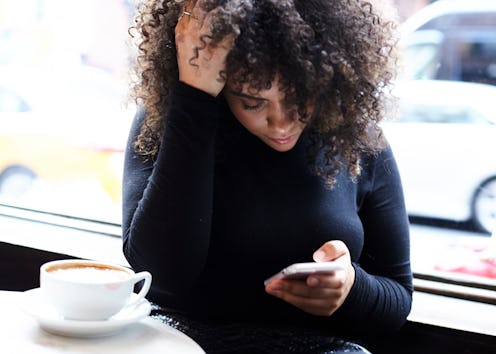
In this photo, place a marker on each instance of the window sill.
(77, 238)
(453, 313)
(83, 239)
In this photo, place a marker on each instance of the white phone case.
(302, 270)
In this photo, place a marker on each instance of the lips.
(282, 141)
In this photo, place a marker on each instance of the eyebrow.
(244, 95)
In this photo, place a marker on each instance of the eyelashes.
(253, 107)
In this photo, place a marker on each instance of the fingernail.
(313, 281)
(319, 255)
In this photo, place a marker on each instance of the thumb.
(330, 251)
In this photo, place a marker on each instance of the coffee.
(90, 290)
(90, 274)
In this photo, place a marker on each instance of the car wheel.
(484, 206)
(15, 181)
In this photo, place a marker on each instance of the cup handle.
(147, 277)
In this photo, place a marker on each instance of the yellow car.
(71, 150)
(31, 150)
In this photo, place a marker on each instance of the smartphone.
(302, 270)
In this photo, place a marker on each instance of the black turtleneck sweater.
(219, 211)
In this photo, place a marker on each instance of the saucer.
(50, 321)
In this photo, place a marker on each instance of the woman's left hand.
(319, 294)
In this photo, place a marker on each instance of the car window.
(457, 46)
(422, 55)
(478, 59)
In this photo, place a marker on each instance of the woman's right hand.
(200, 68)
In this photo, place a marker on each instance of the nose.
(280, 118)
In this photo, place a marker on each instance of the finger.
(334, 280)
(189, 29)
(297, 288)
(191, 18)
(190, 5)
(189, 15)
(193, 12)
(330, 251)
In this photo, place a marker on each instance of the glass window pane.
(445, 136)
(63, 114)
(64, 121)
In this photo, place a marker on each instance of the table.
(21, 334)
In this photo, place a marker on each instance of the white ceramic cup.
(90, 290)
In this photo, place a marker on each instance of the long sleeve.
(167, 205)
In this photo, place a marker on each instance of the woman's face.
(266, 115)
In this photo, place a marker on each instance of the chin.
(280, 147)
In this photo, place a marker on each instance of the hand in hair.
(200, 63)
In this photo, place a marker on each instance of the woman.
(258, 146)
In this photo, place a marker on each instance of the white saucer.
(49, 320)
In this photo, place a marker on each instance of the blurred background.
(64, 119)
(63, 110)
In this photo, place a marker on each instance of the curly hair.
(340, 55)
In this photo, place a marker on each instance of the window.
(64, 124)
(422, 54)
(478, 59)
(444, 138)
(63, 106)
(459, 46)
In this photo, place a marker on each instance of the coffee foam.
(89, 274)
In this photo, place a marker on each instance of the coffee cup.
(90, 290)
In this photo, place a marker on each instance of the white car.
(451, 40)
(447, 13)
(445, 145)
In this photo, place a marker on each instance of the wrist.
(212, 87)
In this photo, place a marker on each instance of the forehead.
(268, 91)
